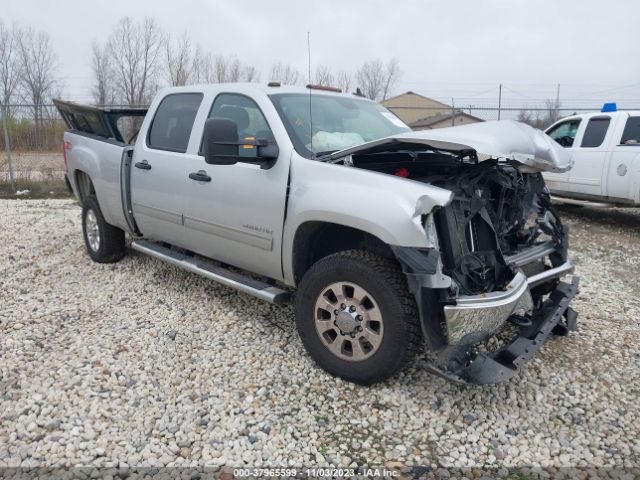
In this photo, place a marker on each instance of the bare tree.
(526, 116)
(39, 65)
(285, 74)
(226, 69)
(343, 81)
(10, 72)
(250, 74)
(552, 111)
(202, 69)
(220, 68)
(179, 61)
(324, 76)
(103, 89)
(10, 65)
(377, 79)
(234, 70)
(393, 73)
(371, 79)
(540, 117)
(135, 49)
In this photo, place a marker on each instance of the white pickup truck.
(605, 148)
(396, 241)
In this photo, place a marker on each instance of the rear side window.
(173, 121)
(595, 132)
(631, 134)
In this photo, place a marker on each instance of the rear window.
(631, 133)
(173, 121)
(595, 132)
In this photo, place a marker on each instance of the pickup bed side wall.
(100, 160)
(389, 208)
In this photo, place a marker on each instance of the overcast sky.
(461, 49)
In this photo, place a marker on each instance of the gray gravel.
(141, 364)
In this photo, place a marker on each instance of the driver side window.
(244, 112)
(565, 133)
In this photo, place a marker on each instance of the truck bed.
(98, 146)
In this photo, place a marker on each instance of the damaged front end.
(488, 288)
(504, 249)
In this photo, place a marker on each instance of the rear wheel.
(105, 243)
(356, 317)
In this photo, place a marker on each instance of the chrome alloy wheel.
(348, 321)
(92, 229)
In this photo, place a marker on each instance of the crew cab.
(393, 241)
(605, 148)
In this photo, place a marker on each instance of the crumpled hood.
(505, 139)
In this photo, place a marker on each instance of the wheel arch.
(314, 240)
(83, 184)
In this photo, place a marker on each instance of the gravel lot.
(141, 364)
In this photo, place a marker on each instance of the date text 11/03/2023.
(314, 472)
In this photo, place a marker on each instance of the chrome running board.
(209, 270)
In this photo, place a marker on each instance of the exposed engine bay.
(497, 211)
(499, 234)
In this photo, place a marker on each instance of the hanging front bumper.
(555, 316)
(476, 317)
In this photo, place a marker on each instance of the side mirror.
(221, 145)
(220, 141)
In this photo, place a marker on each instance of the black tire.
(383, 279)
(110, 244)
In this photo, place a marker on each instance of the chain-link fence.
(34, 134)
(31, 139)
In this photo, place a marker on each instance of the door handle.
(200, 176)
(143, 165)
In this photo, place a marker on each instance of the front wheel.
(356, 317)
(105, 243)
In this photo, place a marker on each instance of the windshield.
(338, 122)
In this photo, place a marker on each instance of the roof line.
(417, 95)
(439, 118)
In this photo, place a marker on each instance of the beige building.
(411, 107)
(420, 112)
(440, 121)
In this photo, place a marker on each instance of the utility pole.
(5, 121)
(557, 112)
(499, 100)
(453, 113)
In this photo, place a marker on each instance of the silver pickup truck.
(396, 241)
